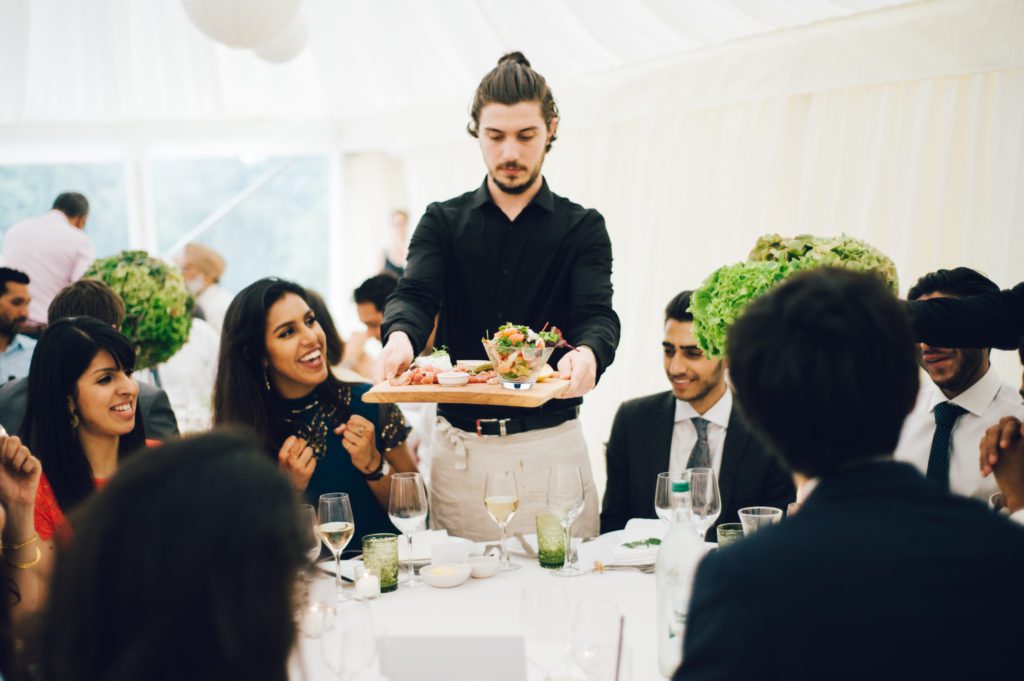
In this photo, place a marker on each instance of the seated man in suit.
(964, 397)
(91, 298)
(877, 576)
(693, 425)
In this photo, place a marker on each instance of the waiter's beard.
(517, 188)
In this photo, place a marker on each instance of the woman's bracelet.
(378, 472)
(15, 547)
(26, 565)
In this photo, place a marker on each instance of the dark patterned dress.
(314, 418)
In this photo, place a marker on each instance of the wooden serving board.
(476, 393)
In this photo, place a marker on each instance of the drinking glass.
(407, 508)
(336, 527)
(550, 546)
(663, 497)
(595, 638)
(501, 499)
(565, 501)
(728, 533)
(310, 537)
(547, 634)
(705, 501)
(358, 648)
(756, 517)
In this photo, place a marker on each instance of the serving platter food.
(474, 393)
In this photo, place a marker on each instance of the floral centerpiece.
(158, 307)
(723, 295)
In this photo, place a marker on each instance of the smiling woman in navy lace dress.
(273, 377)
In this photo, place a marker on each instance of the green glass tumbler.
(729, 533)
(550, 541)
(380, 556)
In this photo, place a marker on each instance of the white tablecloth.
(481, 607)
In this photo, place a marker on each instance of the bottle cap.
(680, 486)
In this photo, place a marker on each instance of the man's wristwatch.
(383, 468)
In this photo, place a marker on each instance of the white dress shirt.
(214, 302)
(684, 433)
(188, 378)
(986, 402)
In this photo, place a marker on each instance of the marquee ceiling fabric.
(112, 61)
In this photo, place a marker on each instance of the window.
(29, 190)
(281, 229)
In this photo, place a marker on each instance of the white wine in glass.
(501, 499)
(566, 499)
(407, 509)
(336, 527)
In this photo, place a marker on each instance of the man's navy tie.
(946, 414)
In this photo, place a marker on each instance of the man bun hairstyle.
(512, 81)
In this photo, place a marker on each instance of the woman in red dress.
(80, 422)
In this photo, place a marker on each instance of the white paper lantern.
(286, 46)
(242, 23)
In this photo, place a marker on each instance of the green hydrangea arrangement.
(158, 307)
(721, 298)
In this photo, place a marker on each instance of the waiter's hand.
(579, 367)
(396, 357)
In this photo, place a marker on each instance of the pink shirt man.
(52, 252)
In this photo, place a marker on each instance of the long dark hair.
(240, 393)
(183, 568)
(62, 355)
(335, 346)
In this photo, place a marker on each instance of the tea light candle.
(367, 586)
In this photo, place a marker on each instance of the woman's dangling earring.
(74, 416)
(266, 379)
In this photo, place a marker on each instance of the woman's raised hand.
(19, 473)
(357, 437)
(297, 460)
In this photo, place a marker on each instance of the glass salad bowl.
(517, 367)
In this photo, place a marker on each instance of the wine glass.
(310, 537)
(595, 638)
(358, 646)
(407, 508)
(663, 497)
(705, 500)
(546, 628)
(565, 501)
(336, 527)
(501, 499)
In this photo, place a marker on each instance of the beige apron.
(461, 461)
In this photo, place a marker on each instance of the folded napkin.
(638, 530)
(421, 543)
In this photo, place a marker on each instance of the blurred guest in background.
(825, 369)
(52, 250)
(15, 348)
(202, 267)
(694, 425)
(151, 586)
(398, 244)
(273, 377)
(370, 298)
(964, 397)
(91, 298)
(1002, 453)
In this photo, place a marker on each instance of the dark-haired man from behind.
(15, 348)
(963, 398)
(91, 298)
(52, 249)
(877, 576)
(694, 425)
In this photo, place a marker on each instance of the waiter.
(509, 251)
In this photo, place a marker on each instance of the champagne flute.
(336, 527)
(565, 501)
(407, 508)
(705, 500)
(663, 497)
(501, 499)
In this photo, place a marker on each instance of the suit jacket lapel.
(735, 448)
(661, 436)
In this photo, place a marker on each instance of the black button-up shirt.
(552, 264)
